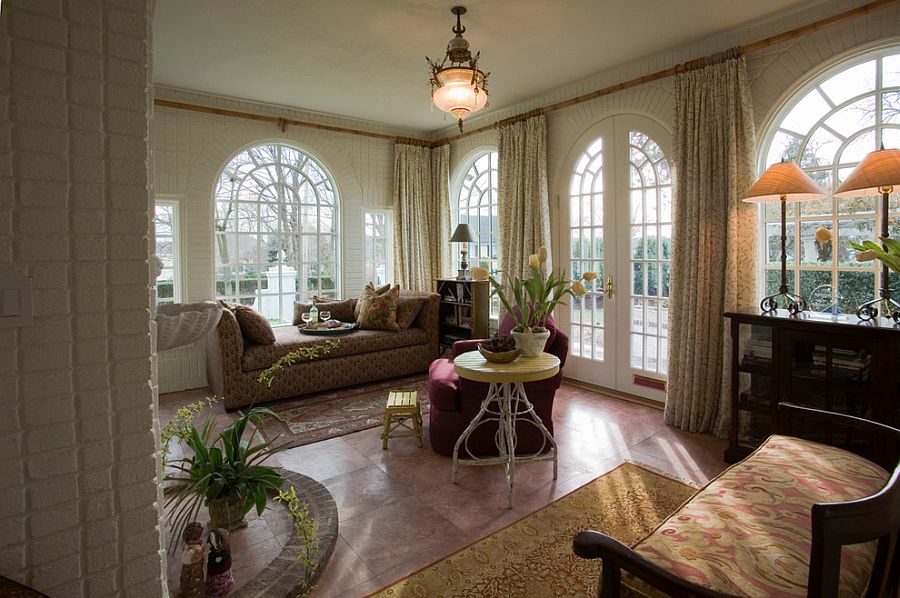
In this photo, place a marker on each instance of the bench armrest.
(617, 556)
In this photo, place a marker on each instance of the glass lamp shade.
(784, 179)
(877, 173)
(457, 94)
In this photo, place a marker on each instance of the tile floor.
(399, 510)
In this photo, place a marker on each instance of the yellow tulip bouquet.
(537, 296)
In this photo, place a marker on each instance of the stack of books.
(758, 351)
(846, 364)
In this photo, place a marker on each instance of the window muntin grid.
(276, 231)
(650, 252)
(379, 247)
(587, 252)
(476, 205)
(828, 128)
(166, 230)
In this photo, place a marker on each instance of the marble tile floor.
(399, 511)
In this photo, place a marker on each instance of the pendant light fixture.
(458, 86)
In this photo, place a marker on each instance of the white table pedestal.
(511, 404)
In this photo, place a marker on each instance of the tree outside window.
(276, 231)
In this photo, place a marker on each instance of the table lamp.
(463, 234)
(783, 182)
(878, 172)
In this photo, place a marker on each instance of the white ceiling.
(366, 58)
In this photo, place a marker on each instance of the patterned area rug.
(324, 415)
(533, 557)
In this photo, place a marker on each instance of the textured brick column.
(78, 486)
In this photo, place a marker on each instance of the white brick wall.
(191, 149)
(78, 486)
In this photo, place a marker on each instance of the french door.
(616, 220)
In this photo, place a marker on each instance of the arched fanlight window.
(276, 230)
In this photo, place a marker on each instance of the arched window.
(476, 205)
(828, 127)
(276, 230)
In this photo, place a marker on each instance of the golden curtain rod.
(696, 63)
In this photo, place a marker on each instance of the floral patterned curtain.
(421, 214)
(522, 195)
(714, 238)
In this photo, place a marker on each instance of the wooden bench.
(795, 518)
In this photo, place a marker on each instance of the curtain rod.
(282, 122)
(746, 49)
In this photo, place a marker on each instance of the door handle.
(610, 290)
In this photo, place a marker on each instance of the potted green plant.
(533, 299)
(226, 474)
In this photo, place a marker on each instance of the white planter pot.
(531, 343)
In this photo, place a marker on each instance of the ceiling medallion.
(457, 85)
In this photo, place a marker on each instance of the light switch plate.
(15, 302)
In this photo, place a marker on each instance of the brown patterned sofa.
(795, 518)
(234, 364)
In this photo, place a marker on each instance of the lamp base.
(463, 274)
(795, 303)
(870, 309)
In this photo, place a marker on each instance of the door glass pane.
(651, 231)
(586, 252)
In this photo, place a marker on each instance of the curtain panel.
(714, 238)
(421, 214)
(523, 198)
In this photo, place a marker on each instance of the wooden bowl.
(502, 357)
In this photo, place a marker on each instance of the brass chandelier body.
(458, 86)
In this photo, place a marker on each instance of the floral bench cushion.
(747, 533)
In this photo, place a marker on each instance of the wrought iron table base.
(513, 404)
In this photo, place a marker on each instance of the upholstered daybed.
(234, 363)
(795, 518)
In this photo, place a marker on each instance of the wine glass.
(325, 315)
(306, 317)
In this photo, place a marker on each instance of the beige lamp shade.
(463, 234)
(877, 171)
(784, 179)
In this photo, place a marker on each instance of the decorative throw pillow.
(378, 312)
(408, 309)
(340, 310)
(369, 287)
(254, 326)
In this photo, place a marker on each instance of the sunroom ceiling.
(366, 58)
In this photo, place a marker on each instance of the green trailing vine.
(305, 527)
(181, 423)
(301, 354)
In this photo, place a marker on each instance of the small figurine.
(219, 578)
(192, 553)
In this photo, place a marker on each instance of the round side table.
(506, 389)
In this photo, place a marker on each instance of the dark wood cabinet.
(833, 363)
(465, 310)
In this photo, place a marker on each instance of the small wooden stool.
(401, 406)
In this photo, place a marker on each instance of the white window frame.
(177, 247)
(307, 164)
(461, 186)
(388, 243)
(795, 217)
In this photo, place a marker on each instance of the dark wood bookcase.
(834, 363)
(465, 310)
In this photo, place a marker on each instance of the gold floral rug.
(533, 557)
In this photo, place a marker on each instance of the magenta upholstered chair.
(455, 401)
